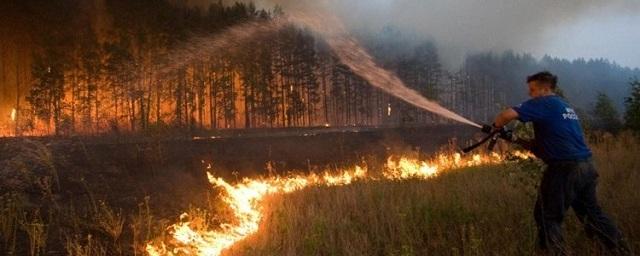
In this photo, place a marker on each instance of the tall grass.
(35, 219)
(10, 212)
(474, 211)
(36, 230)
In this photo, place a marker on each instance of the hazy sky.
(562, 28)
(593, 36)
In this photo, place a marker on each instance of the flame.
(245, 199)
(14, 114)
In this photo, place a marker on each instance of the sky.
(561, 28)
(614, 37)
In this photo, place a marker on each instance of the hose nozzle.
(493, 136)
(486, 128)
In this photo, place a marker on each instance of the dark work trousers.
(572, 184)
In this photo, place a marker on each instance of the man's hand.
(504, 118)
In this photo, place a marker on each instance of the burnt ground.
(246, 152)
(170, 170)
(133, 166)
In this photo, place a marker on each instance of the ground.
(53, 204)
(474, 211)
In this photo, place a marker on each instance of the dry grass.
(10, 212)
(476, 211)
(111, 222)
(36, 230)
(76, 245)
(144, 227)
(36, 220)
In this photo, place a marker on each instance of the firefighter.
(570, 178)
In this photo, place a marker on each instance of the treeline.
(598, 88)
(88, 81)
(103, 77)
(580, 79)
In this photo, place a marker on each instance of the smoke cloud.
(460, 27)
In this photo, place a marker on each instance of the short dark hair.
(544, 77)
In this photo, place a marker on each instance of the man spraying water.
(570, 178)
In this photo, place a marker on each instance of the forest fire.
(334, 126)
(245, 199)
(14, 114)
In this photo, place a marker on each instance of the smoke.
(460, 27)
(358, 59)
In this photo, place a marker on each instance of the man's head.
(542, 84)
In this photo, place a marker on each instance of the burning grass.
(468, 211)
(246, 199)
(482, 210)
(410, 208)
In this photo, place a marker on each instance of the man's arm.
(505, 117)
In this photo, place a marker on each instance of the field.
(55, 204)
(473, 211)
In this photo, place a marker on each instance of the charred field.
(95, 195)
(82, 196)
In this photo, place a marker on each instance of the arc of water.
(347, 49)
(352, 54)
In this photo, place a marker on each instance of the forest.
(93, 67)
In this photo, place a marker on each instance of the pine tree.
(632, 102)
(47, 93)
(91, 68)
(605, 115)
(118, 76)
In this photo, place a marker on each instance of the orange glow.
(14, 114)
(245, 199)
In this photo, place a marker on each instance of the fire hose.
(493, 135)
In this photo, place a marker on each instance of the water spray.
(352, 54)
(328, 27)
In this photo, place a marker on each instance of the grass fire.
(279, 127)
(246, 198)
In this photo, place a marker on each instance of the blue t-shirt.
(558, 135)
